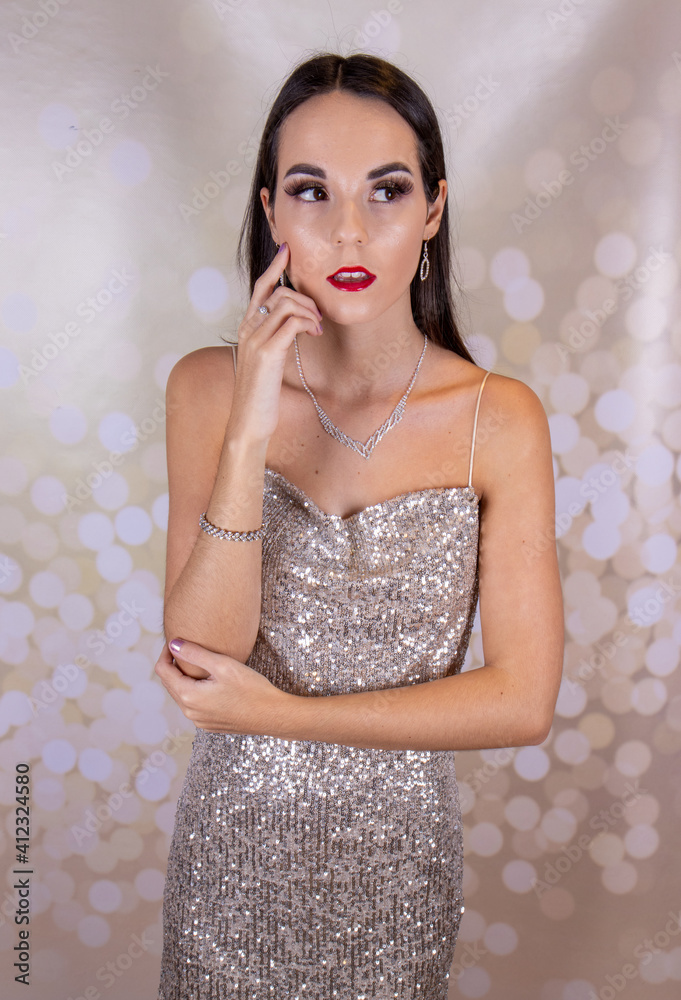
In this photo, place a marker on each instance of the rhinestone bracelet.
(235, 536)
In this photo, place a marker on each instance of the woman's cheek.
(309, 266)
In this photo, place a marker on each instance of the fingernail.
(281, 248)
(176, 645)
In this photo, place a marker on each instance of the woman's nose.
(348, 225)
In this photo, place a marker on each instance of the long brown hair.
(432, 302)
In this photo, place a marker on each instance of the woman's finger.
(269, 279)
(192, 652)
(286, 307)
(270, 293)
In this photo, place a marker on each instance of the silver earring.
(281, 276)
(425, 263)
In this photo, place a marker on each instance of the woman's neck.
(359, 363)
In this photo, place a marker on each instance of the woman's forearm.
(216, 600)
(478, 709)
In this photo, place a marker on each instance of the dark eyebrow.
(310, 168)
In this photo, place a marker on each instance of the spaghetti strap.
(475, 424)
(233, 346)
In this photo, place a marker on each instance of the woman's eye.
(386, 193)
(391, 191)
(310, 193)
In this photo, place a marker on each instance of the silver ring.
(263, 309)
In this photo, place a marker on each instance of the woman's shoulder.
(509, 392)
(203, 382)
(204, 362)
(518, 400)
(512, 427)
(209, 370)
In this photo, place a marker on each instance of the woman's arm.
(212, 587)
(507, 702)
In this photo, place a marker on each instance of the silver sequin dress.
(302, 870)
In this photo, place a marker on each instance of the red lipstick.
(352, 278)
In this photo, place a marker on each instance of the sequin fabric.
(302, 869)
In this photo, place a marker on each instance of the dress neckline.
(434, 490)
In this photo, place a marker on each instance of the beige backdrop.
(128, 142)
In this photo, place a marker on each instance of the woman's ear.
(435, 211)
(265, 199)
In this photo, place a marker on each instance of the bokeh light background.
(128, 142)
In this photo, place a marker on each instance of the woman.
(322, 565)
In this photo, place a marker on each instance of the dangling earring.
(425, 263)
(281, 276)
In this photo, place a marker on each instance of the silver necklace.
(366, 449)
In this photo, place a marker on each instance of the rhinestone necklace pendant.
(365, 449)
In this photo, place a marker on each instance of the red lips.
(352, 278)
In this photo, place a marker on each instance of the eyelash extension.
(398, 186)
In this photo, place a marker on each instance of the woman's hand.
(264, 342)
(232, 699)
